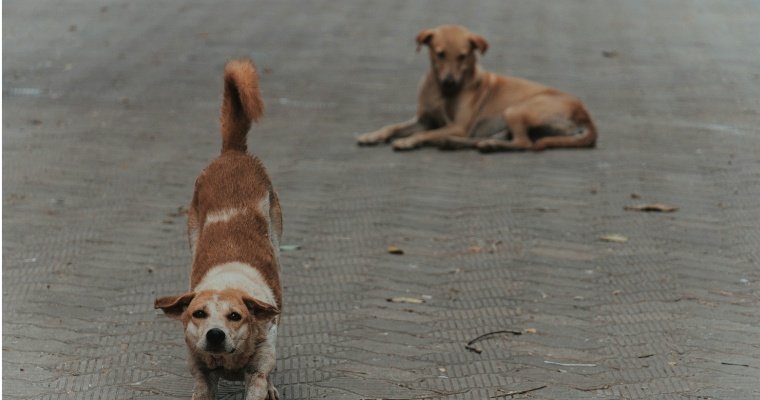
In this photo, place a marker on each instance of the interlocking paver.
(110, 111)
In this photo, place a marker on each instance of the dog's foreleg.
(258, 383)
(206, 383)
(389, 132)
(458, 142)
(435, 137)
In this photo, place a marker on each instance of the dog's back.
(235, 214)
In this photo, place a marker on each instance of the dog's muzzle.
(215, 340)
(449, 86)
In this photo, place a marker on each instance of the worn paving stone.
(110, 111)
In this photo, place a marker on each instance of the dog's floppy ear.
(259, 309)
(479, 42)
(424, 38)
(174, 306)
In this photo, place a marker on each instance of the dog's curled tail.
(241, 103)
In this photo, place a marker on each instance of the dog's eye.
(461, 57)
(199, 314)
(234, 316)
(441, 55)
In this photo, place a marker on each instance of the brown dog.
(231, 312)
(461, 105)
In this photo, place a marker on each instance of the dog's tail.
(241, 103)
(585, 138)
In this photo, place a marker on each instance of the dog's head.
(218, 322)
(452, 54)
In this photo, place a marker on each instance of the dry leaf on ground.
(614, 237)
(474, 249)
(395, 250)
(652, 207)
(410, 300)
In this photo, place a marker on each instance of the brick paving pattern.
(110, 111)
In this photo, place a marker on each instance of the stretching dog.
(460, 105)
(234, 226)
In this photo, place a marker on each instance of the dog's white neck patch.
(237, 275)
(223, 215)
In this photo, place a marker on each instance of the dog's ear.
(174, 306)
(479, 42)
(259, 309)
(424, 37)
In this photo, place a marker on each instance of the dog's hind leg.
(577, 131)
(517, 122)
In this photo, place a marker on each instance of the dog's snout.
(449, 85)
(215, 337)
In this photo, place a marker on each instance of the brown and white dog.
(461, 105)
(231, 311)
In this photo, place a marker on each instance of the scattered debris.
(474, 249)
(514, 392)
(739, 365)
(395, 250)
(410, 300)
(609, 53)
(635, 196)
(652, 207)
(614, 237)
(476, 349)
(290, 247)
(181, 211)
(592, 389)
(568, 364)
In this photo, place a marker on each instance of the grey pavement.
(110, 109)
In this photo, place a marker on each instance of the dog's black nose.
(215, 337)
(449, 85)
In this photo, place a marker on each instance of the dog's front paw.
(488, 146)
(272, 393)
(369, 139)
(405, 144)
(204, 395)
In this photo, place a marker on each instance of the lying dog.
(234, 225)
(461, 105)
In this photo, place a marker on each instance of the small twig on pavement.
(514, 392)
(592, 389)
(469, 345)
(569, 364)
(739, 365)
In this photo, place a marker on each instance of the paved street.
(110, 110)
